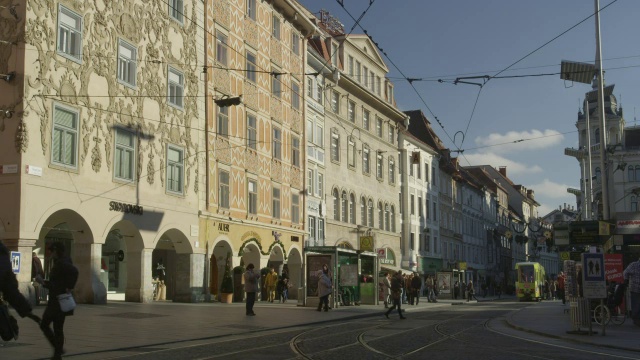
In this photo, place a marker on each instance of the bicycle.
(611, 311)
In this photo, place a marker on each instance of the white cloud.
(519, 140)
(550, 195)
(495, 160)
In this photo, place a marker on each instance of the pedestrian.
(62, 279)
(431, 289)
(9, 287)
(387, 289)
(325, 286)
(407, 287)
(416, 284)
(456, 290)
(560, 290)
(471, 291)
(251, 278)
(397, 283)
(284, 294)
(463, 290)
(553, 288)
(632, 276)
(36, 269)
(270, 282)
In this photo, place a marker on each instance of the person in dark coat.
(36, 269)
(416, 284)
(62, 279)
(9, 286)
(397, 284)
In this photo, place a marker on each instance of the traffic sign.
(15, 262)
(593, 276)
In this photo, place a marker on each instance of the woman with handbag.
(62, 279)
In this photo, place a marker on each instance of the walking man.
(62, 279)
(387, 289)
(632, 275)
(431, 296)
(36, 270)
(397, 283)
(416, 284)
(324, 288)
(560, 290)
(250, 287)
(270, 283)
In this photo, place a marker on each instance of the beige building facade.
(102, 148)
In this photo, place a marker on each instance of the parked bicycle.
(612, 310)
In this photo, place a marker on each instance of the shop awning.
(387, 267)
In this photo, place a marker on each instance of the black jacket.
(9, 284)
(63, 276)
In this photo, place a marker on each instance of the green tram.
(530, 281)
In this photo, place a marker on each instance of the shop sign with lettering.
(126, 208)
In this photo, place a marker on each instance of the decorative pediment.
(368, 49)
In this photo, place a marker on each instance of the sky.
(448, 39)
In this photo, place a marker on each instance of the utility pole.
(603, 123)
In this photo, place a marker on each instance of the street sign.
(366, 243)
(564, 255)
(593, 279)
(15, 262)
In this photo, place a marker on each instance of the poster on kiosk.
(593, 279)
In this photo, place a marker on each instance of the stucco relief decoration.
(276, 170)
(221, 12)
(96, 161)
(222, 80)
(296, 178)
(295, 64)
(129, 28)
(251, 159)
(276, 108)
(276, 51)
(296, 121)
(150, 169)
(22, 137)
(223, 150)
(251, 31)
(250, 96)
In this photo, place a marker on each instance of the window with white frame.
(344, 202)
(251, 9)
(370, 213)
(176, 8)
(352, 208)
(335, 102)
(176, 88)
(363, 211)
(125, 155)
(420, 212)
(315, 183)
(295, 95)
(295, 208)
(392, 171)
(127, 63)
(320, 185)
(221, 48)
(252, 201)
(358, 72)
(336, 204)
(365, 76)
(223, 121)
(433, 175)
(312, 227)
(335, 145)
(250, 66)
(69, 34)
(277, 143)
(314, 88)
(223, 189)
(634, 204)
(175, 169)
(412, 209)
(418, 171)
(410, 165)
(392, 216)
(310, 181)
(379, 127)
(276, 203)
(64, 145)
(295, 43)
(379, 166)
(378, 86)
(372, 84)
(351, 109)
(350, 66)
(295, 151)
(276, 27)
(276, 85)
(252, 131)
(351, 152)
(320, 229)
(315, 139)
(391, 134)
(386, 217)
(366, 119)
(366, 165)
(380, 216)
(426, 172)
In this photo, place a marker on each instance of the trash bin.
(580, 312)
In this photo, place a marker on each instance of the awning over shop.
(391, 268)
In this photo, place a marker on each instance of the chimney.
(503, 170)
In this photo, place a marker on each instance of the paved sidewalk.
(118, 328)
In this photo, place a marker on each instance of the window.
(344, 201)
(365, 73)
(412, 241)
(412, 209)
(295, 43)
(350, 66)
(65, 137)
(250, 65)
(295, 151)
(418, 171)
(334, 54)
(392, 171)
(175, 9)
(277, 143)
(335, 102)
(295, 208)
(320, 186)
(363, 211)
(392, 215)
(335, 145)
(351, 108)
(631, 174)
(379, 167)
(386, 217)
(435, 208)
(336, 205)
(365, 119)
(223, 188)
(175, 166)
(370, 213)
(276, 84)
(379, 127)
(366, 167)
(252, 186)
(276, 203)
(358, 72)
(352, 208)
(310, 181)
(295, 95)
(351, 152)
(320, 229)
(252, 131)
(221, 48)
(390, 134)
(378, 88)
(124, 161)
(251, 9)
(127, 63)
(634, 203)
(426, 207)
(420, 206)
(176, 87)
(597, 136)
(314, 88)
(223, 121)
(426, 172)
(312, 227)
(69, 34)
(372, 84)
(380, 217)
(276, 27)
(410, 166)
(433, 175)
